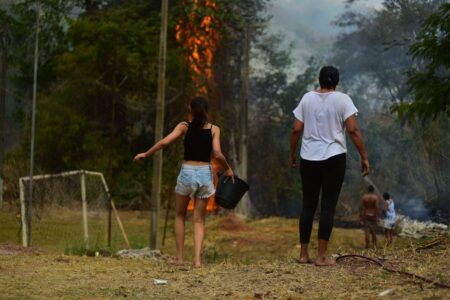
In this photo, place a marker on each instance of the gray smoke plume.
(412, 207)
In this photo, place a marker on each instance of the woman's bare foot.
(197, 264)
(305, 260)
(324, 262)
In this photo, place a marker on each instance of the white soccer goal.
(101, 189)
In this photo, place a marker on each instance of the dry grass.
(244, 260)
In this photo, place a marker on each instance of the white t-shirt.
(323, 115)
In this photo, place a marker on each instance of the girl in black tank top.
(195, 178)
(198, 144)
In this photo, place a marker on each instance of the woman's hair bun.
(329, 77)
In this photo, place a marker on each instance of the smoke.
(308, 24)
(413, 208)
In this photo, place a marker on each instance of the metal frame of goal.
(26, 215)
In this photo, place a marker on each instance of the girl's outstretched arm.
(179, 130)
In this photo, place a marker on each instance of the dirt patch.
(233, 223)
(9, 248)
(146, 253)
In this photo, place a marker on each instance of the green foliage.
(430, 78)
(95, 107)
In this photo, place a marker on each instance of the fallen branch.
(432, 244)
(380, 264)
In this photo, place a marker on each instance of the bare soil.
(9, 248)
(252, 259)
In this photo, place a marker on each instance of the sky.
(308, 25)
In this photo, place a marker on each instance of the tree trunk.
(3, 87)
(89, 6)
(33, 123)
(113, 119)
(159, 127)
(244, 206)
(233, 151)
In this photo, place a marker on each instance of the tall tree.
(16, 52)
(244, 206)
(429, 78)
(5, 52)
(98, 110)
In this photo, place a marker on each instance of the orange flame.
(199, 37)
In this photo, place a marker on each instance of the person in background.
(370, 216)
(322, 117)
(389, 219)
(201, 141)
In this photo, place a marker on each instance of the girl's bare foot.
(197, 264)
(179, 262)
(324, 262)
(176, 262)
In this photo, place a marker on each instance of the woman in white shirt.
(321, 118)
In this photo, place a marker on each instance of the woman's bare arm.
(355, 134)
(297, 130)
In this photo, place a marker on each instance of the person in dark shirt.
(201, 142)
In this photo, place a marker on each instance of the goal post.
(26, 218)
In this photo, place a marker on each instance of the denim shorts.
(195, 181)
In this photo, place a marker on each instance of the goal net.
(69, 210)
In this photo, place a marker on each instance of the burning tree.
(198, 32)
(216, 37)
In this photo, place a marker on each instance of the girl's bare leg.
(199, 229)
(180, 217)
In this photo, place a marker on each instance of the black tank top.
(198, 144)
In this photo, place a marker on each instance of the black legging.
(326, 175)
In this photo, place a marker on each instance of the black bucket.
(228, 194)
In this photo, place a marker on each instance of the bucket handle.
(227, 178)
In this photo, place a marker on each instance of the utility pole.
(33, 120)
(159, 128)
(3, 87)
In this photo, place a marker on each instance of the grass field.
(243, 260)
